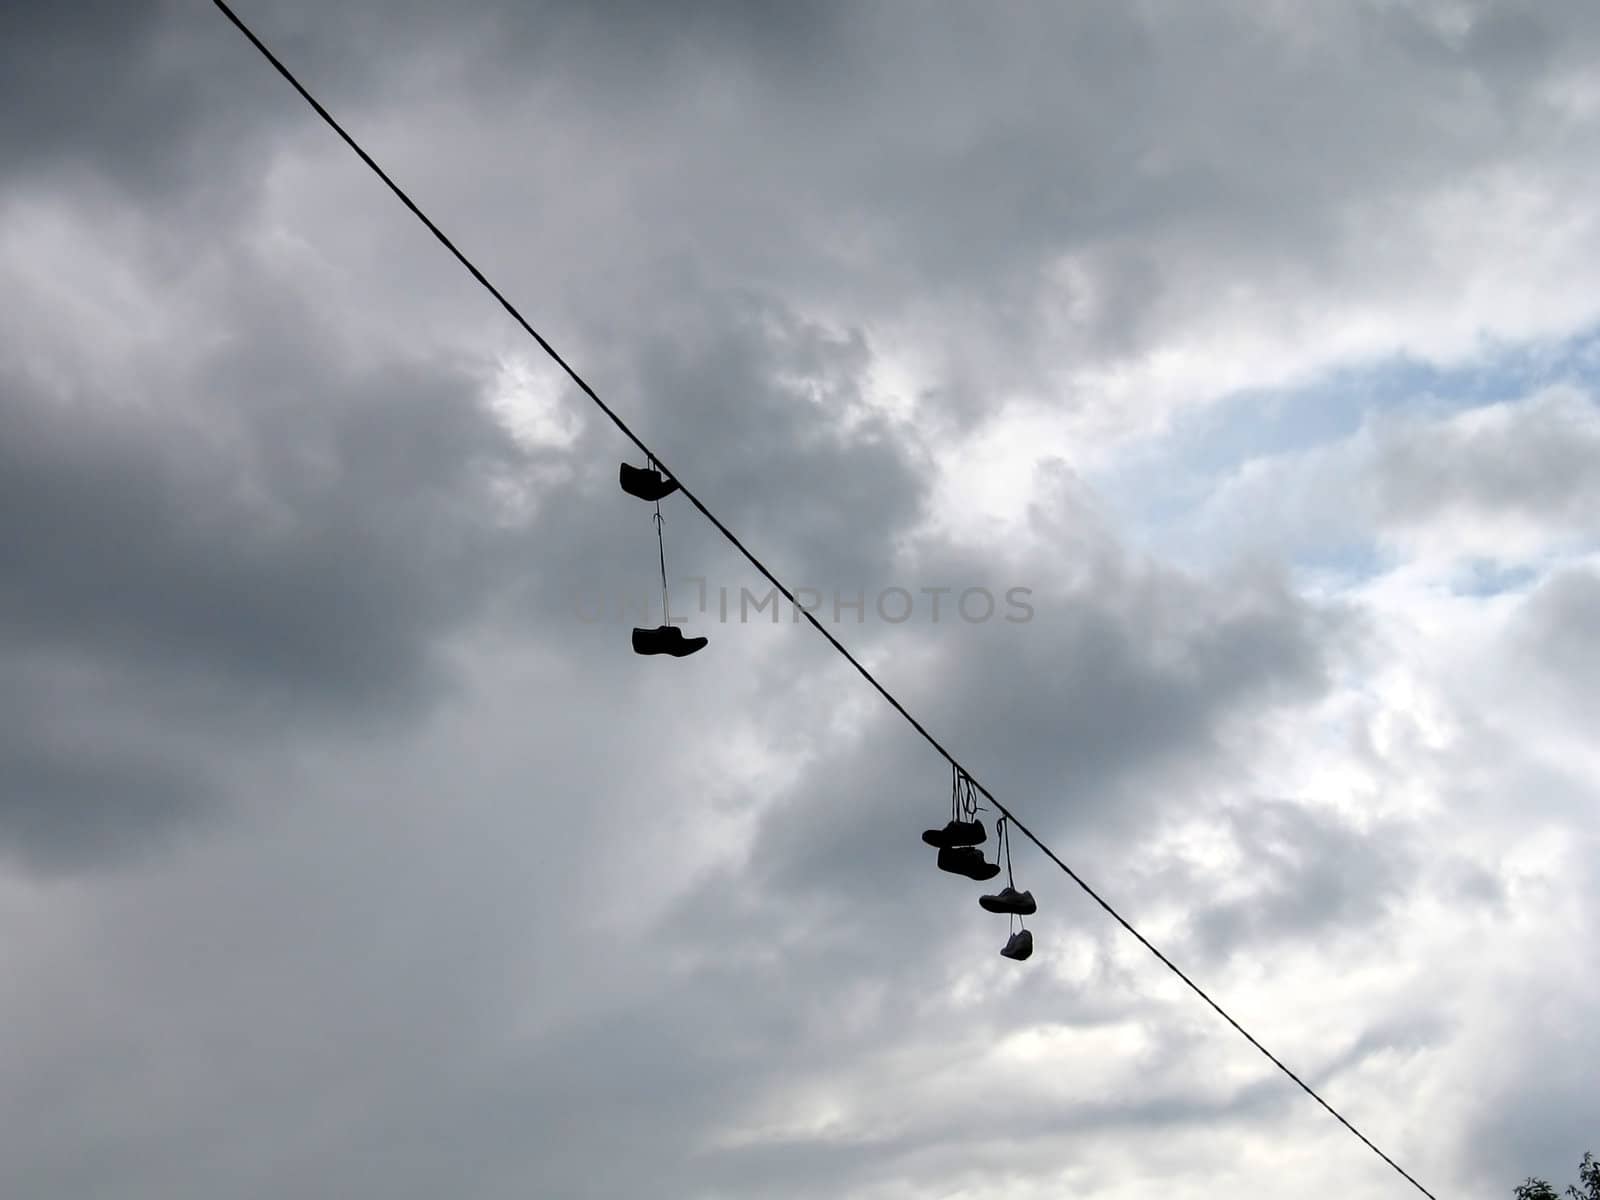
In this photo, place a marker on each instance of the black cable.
(787, 594)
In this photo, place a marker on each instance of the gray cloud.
(1558, 635)
(1311, 875)
(287, 559)
(65, 807)
(300, 551)
(1537, 460)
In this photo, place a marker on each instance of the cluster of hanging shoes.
(958, 844)
(961, 836)
(651, 484)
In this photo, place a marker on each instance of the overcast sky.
(340, 856)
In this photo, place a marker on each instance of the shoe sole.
(975, 876)
(940, 840)
(1012, 910)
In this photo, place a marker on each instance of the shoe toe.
(680, 646)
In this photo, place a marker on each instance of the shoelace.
(661, 549)
(1002, 831)
(964, 804)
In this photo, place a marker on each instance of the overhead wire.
(761, 567)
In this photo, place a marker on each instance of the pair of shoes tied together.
(651, 484)
(1011, 902)
(962, 834)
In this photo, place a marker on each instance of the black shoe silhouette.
(666, 639)
(956, 833)
(646, 483)
(968, 861)
(1020, 945)
(1009, 900)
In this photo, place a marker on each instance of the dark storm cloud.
(287, 551)
(68, 807)
(74, 78)
(132, 92)
(1066, 116)
(144, 542)
(166, 99)
(983, 148)
(163, 97)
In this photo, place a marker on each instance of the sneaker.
(968, 861)
(1020, 945)
(1009, 900)
(666, 639)
(646, 482)
(956, 833)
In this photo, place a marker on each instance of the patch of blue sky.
(1481, 577)
(1270, 421)
(1157, 487)
(1331, 570)
(1341, 564)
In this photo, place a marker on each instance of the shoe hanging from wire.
(958, 831)
(1008, 900)
(958, 841)
(648, 483)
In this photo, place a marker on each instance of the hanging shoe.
(1020, 946)
(956, 833)
(666, 639)
(646, 482)
(1009, 900)
(968, 861)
